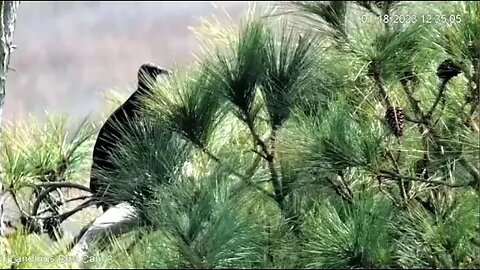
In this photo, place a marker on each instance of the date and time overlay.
(447, 19)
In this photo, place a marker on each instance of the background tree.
(8, 11)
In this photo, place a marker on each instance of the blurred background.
(69, 54)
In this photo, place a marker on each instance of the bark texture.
(8, 18)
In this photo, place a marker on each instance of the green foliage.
(448, 239)
(202, 221)
(324, 183)
(241, 68)
(290, 59)
(32, 251)
(328, 18)
(151, 155)
(33, 149)
(392, 53)
(461, 40)
(280, 67)
(332, 148)
(35, 152)
(349, 237)
(334, 140)
(188, 105)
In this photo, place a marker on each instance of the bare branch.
(65, 202)
(66, 215)
(51, 186)
(381, 89)
(40, 198)
(56, 185)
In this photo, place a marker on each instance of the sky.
(69, 54)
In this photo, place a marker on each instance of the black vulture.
(109, 134)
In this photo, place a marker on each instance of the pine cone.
(448, 69)
(396, 120)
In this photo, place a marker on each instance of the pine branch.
(58, 217)
(345, 184)
(51, 186)
(425, 120)
(387, 174)
(260, 154)
(258, 141)
(275, 174)
(368, 6)
(339, 191)
(65, 202)
(379, 178)
(413, 120)
(468, 121)
(394, 161)
(381, 89)
(414, 103)
(40, 198)
(401, 184)
(237, 174)
(17, 204)
(472, 170)
(62, 217)
(473, 98)
(440, 95)
(270, 158)
(60, 185)
(337, 188)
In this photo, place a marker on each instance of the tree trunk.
(8, 13)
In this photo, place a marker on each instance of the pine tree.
(290, 165)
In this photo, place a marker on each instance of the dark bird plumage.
(448, 69)
(109, 134)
